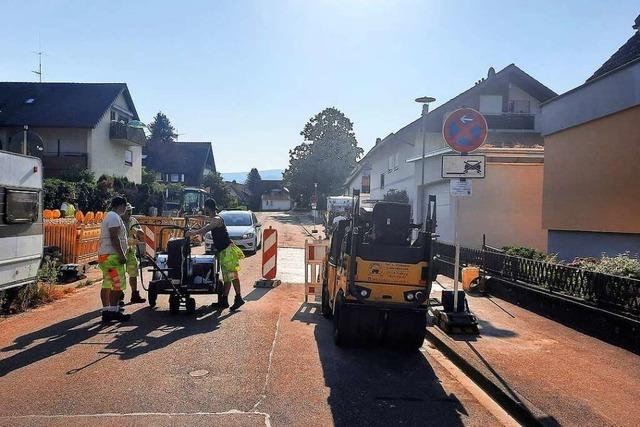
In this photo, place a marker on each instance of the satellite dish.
(35, 144)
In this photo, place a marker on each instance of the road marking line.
(267, 417)
(263, 395)
(483, 398)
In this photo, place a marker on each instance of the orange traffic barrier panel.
(78, 242)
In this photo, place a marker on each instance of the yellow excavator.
(377, 279)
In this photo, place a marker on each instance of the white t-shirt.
(339, 218)
(112, 220)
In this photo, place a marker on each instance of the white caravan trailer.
(21, 227)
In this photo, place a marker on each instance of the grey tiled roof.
(75, 105)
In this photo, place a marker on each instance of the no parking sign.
(465, 130)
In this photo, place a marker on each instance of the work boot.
(223, 302)
(237, 303)
(107, 316)
(136, 298)
(119, 316)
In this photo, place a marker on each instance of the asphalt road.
(271, 363)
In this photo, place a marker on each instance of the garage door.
(444, 209)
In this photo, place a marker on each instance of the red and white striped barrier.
(314, 253)
(269, 253)
(149, 241)
(269, 259)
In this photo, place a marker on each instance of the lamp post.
(315, 208)
(424, 100)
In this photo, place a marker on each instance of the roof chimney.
(378, 141)
(491, 72)
(425, 109)
(636, 25)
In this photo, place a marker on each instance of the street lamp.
(315, 206)
(425, 100)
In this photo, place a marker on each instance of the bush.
(57, 191)
(95, 196)
(528, 253)
(624, 265)
(42, 291)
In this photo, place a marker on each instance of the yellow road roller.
(377, 276)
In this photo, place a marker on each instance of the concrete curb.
(524, 414)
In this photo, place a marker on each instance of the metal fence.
(619, 294)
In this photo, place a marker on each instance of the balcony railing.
(510, 121)
(126, 134)
(55, 164)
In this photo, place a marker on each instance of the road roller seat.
(391, 223)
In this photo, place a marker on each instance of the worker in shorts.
(134, 235)
(229, 254)
(111, 260)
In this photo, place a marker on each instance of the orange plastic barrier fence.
(77, 238)
(156, 224)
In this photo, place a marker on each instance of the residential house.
(184, 163)
(74, 125)
(592, 142)
(240, 192)
(506, 206)
(274, 196)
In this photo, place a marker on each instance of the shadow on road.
(57, 338)
(380, 387)
(256, 294)
(148, 330)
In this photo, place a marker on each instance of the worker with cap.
(67, 210)
(134, 235)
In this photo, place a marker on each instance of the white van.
(21, 226)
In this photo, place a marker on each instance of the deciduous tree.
(327, 156)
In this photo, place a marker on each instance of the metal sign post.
(464, 130)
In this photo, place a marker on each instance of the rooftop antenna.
(178, 135)
(39, 53)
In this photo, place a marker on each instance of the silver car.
(244, 229)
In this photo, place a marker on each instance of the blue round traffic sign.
(465, 130)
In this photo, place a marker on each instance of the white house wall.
(106, 157)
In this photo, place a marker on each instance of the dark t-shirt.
(219, 234)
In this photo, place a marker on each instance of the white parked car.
(244, 229)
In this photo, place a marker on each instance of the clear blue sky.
(247, 75)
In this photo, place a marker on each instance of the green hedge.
(95, 196)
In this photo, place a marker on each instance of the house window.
(128, 158)
(491, 104)
(520, 106)
(122, 118)
(396, 162)
(382, 181)
(390, 164)
(174, 177)
(113, 116)
(366, 184)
